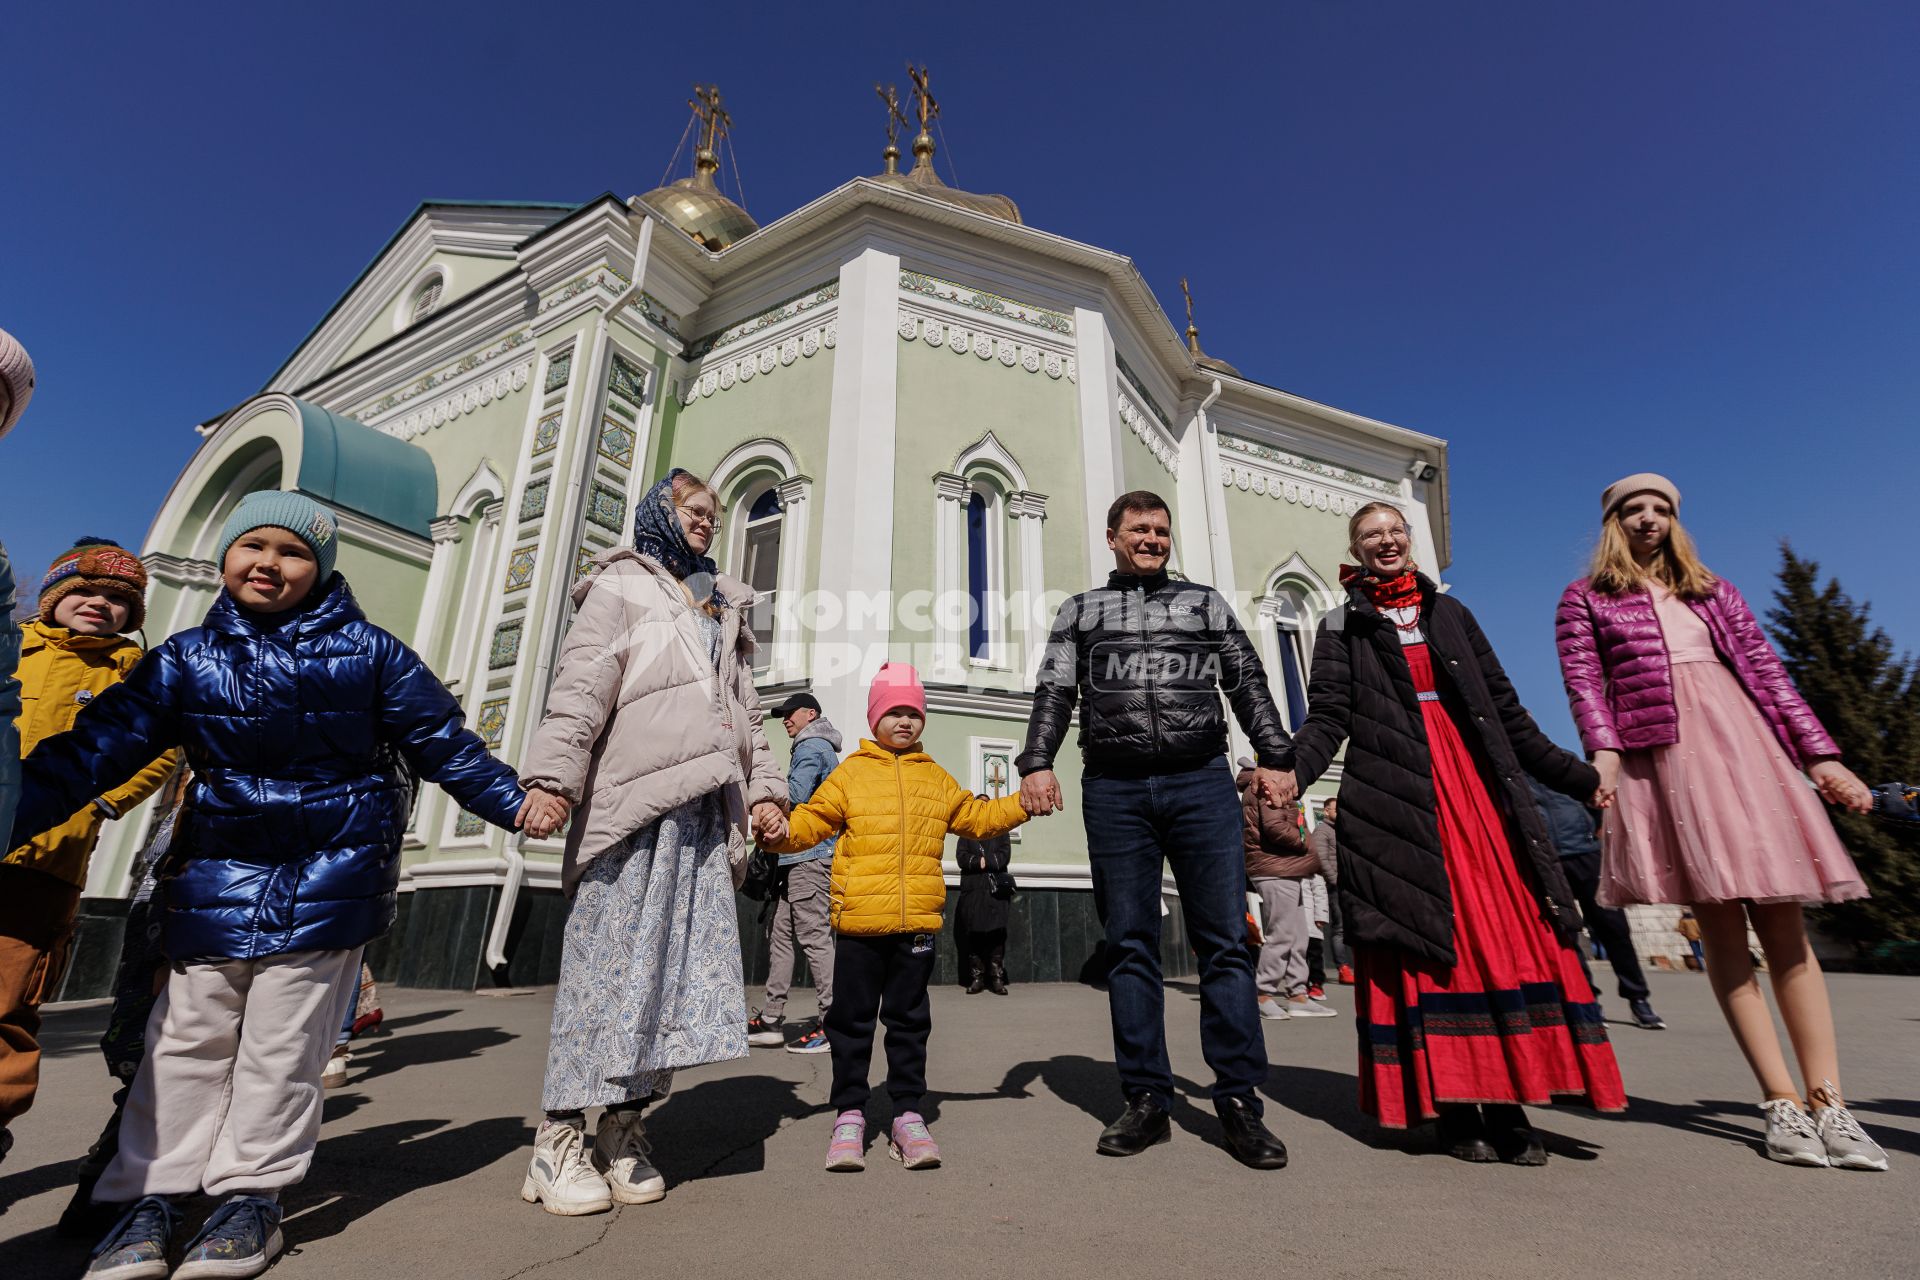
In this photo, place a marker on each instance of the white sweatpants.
(228, 1098)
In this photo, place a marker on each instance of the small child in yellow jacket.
(895, 806)
(73, 650)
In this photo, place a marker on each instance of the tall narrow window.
(979, 632)
(760, 568)
(1294, 653)
(426, 298)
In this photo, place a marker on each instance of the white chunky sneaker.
(1791, 1136)
(335, 1073)
(1848, 1146)
(621, 1154)
(559, 1178)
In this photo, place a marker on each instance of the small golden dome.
(925, 181)
(1201, 360)
(696, 206)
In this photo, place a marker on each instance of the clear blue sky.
(1575, 239)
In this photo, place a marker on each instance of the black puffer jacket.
(1149, 658)
(1393, 880)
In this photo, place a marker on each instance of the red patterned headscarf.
(1402, 592)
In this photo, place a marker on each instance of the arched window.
(426, 298)
(760, 567)
(1293, 641)
(979, 577)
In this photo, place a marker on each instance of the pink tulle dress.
(1722, 815)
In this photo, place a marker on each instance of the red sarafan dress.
(1514, 1020)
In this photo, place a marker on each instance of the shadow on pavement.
(381, 1057)
(1741, 1122)
(1093, 1086)
(719, 1128)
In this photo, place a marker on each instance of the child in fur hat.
(895, 807)
(72, 652)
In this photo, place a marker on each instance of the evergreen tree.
(1868, 697)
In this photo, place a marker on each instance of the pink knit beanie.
(16, 381)
(897, 685)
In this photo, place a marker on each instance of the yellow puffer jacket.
(60, 673)
(895, 811)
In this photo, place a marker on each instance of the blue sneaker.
(136, 1246)
(815, 1041)
(238, 1241)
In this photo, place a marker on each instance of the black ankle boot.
(997, 980)
(976, 978)
(1142, 1125)
(1463, 1134)
(1513, 1138)
(1250, 1141)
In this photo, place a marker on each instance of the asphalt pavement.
(419, 1167)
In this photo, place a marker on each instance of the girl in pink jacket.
(1701, 739)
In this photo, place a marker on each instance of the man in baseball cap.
(801, 905)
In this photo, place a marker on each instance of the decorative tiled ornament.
(559, 370)
(493, 721)
(546, 434)
(520, 568)
(506, 645)
(533, 502)
(607, 507)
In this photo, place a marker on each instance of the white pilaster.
(950, 647)
(856, 570)
(1099, 433)
(789, 645)
(1413, 500)
(1029, 512)
(433, 601)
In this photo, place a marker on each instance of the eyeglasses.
(1381, 535)
(696, 516)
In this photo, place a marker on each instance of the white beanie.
(16, 381)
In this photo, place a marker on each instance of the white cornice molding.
(1147, 429)
(784, 345)
(960, 334)
(355, 527)
(180, 571)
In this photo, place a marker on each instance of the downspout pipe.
(503, 912)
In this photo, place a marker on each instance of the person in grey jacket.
(805, 888)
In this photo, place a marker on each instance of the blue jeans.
(1192, 820)
(9, 705)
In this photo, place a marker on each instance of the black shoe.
(1463, 1135)
(1644, 1016)
(1513, 1139)
(978, 984)
(1249, 1140)
(1144, 1124)
(997, 981)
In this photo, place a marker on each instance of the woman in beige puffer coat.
(653, 734)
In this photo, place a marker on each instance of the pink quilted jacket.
(1613, 657)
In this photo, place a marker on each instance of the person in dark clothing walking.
(980, 921)
(1147, 659)
(1572, 829)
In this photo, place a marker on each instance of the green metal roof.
(345, 463)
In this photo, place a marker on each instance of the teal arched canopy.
(345, 463)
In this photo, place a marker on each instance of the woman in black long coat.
(1470, 998)
(980, 920)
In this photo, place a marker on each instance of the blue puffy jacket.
(294, 725)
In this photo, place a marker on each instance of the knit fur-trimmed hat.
(16, 381)
(96, 564)
(298, 514)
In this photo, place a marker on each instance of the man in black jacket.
(1147, 658)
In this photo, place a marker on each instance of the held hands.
(1278, 787)
(1040, 794)
(769, 823)
(1608, 765)
(1838, 786)
(543, 813)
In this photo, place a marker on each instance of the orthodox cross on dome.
(896, 120)
(1193, 332)
(928, 110)
(715, 125)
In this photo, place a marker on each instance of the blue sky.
(1576, 240)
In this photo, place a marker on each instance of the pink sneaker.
(911, 1144)
(847, 1153)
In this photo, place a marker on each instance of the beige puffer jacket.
(638, 722)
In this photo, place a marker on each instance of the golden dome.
(696, 206)
(925, 181)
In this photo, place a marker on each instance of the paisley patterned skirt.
(650, 977)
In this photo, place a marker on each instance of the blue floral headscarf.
(658, 535)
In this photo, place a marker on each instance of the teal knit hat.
(298, 514)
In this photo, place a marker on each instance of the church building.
(905, 396)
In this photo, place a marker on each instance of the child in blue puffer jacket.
(295, 714)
